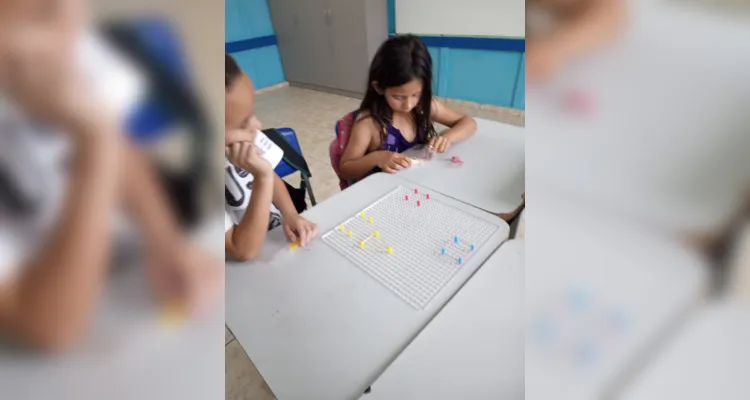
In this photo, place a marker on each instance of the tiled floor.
(312, 115)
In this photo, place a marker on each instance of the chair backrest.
(154, 44)
(338, 145)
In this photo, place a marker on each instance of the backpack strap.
(291, 155)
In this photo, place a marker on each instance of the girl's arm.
(49, 301)
(582, 28)
(461, 126)
(244, 241)
(355, 162)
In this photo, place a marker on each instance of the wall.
(473, 18)
(485, 70)
(251, 41)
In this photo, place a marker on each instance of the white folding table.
(474, 348)
(707, 359)
(129, 353)
(584, 266)
(493, 170)
(315, 325)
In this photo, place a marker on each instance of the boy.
(256, 198)
(63, 180)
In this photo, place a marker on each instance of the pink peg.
(418, 203)
(406, 197)
(579, 102)
(416, 191)
(428, 196)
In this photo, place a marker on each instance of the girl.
(398, 112)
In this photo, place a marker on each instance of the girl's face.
(405, 97)
(240, 111)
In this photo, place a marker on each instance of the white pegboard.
(417, 268)
(578, 332)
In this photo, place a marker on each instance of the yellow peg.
(377, 233)
(390, 250)
(350, 233)
(361, 245)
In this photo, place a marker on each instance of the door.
(349, 42)
(303, 34)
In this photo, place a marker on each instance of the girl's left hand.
(299, 229)
(440, 143)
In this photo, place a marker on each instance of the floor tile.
(243, 381)
(228, 337)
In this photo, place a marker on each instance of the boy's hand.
(245, 155)
(183, 275)
(40, 73)
(297, 228)
(391, 162)
(440, 143)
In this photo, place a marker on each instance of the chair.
(153, 45)
(293, 160)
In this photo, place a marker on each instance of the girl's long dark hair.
(399, 60)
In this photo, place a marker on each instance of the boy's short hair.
(231, 70)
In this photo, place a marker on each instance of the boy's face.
(240, 117)
(405, 97)
(62, 18)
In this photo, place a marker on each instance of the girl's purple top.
(395, 142)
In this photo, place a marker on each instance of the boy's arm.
(461, 126)
(355, 162)
(49, 301)
(245, 240)
(582, 28)
(147, 202)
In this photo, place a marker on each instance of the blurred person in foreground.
(701, 124)
(66, 172)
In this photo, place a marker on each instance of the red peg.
(407, 197)
(428, 196)
(418, 203)
(416, 191)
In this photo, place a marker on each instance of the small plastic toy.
(456, 160)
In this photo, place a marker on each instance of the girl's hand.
(299, 229)
(391, 162)
(544, 57)
(245, 155)
(440, 143)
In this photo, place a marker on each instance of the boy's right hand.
(41, 74)
(245, 155)
(391, 162)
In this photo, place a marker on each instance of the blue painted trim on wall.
(519, 93)
(249, 44)
(476, 43)
(391, 17)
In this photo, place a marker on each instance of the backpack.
(297, 162)
(338, 145)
